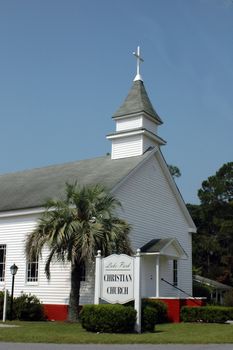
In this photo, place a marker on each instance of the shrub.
(159, 306)
(153, 312)
(228, 298)
(108, 318)
(149, 318)
(28, 308)
(207, 314)
(25, 308)
(200, 290)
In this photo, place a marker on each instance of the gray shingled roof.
(155, 245)
(211, 283)
(31, 188)
(137, 101)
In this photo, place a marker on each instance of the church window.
(32, 270)
(2, 261)
(175, 273)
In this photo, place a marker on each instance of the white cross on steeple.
(139, 60)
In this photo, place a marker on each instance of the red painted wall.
(194, 302)
(60, 312)
(175, 305)
(56, 312)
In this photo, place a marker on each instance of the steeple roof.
(137, 101)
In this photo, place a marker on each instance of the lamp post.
(14, 270)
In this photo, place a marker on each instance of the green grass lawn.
(55, 332)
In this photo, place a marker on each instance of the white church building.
(138, 175)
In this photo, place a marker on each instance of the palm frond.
(75, 228)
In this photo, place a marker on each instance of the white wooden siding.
(128, 123)
(149, 125)
(150, 206)
(13, 232)
(129, 146)
(147, 142)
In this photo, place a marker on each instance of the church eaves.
(137, 101)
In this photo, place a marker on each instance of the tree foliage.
(174, 170)
(213, 243)
(74, 229)
(218, 189)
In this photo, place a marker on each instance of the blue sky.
(67, 65)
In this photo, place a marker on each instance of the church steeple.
(137, 101)
(136, 122)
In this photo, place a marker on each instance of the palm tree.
(74, 229)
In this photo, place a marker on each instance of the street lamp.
(14, 270)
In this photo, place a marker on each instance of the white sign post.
(98, 269)
(4, 304)
(117, 280)
(137, 283)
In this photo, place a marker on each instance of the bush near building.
(160, 307)
(228, 298)
(121, 318)
(26, 307)
(108, 318)
(207, 314)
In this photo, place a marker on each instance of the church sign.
(117, 285)
(117, 280)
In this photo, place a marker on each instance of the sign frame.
(132, 281)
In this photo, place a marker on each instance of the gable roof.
(31, 188)
(165, 246)
(137, 101)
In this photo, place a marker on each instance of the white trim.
(157, 276)
(151, 253)
(21, 212)
(122, 134)
(178, 298)
(137, 132)
(143, 114)
(170, 256)
(192, 230)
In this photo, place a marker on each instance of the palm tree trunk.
(74, 292)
